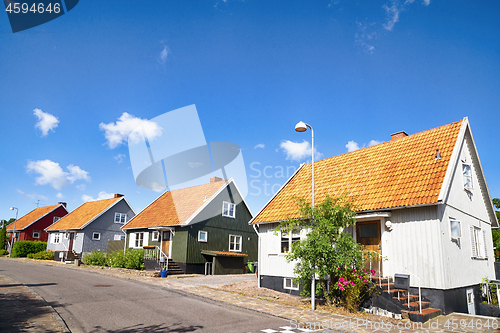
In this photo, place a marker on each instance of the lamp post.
(302, 127)
(15, 221)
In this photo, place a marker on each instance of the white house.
(424, 206)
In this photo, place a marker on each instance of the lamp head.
(301, 127)
(11, 208)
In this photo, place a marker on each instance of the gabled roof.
(33, 216)
(177, 207)
(397, 173)
(84, 214)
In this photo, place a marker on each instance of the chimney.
(117, 195)
(62, 203)
(398, 135)
(215, 179)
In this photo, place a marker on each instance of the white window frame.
(155, 236)
(55, 219)
(238, 240)
(228, 209)
(478, 243)
(467, 178)
(202, 239)
(452, 220)
(292, 237)
(36, 234)
(139, 241)
(94, 236)
(56, 238)
(121, 216)
(290, 285)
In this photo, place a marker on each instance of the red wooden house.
(32, 225)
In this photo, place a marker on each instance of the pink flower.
(365, 281)
(341, 288)
(372, 271)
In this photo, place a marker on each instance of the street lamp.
(302, 127)
(15, 221)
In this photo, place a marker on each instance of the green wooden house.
(200, 229)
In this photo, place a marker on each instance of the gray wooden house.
(89, 227)
(199, 229)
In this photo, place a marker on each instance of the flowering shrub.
(352, 286)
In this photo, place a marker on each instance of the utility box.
(402, 281)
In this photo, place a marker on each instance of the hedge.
(23, 248)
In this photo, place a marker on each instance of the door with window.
(368, 234)
(165, 242)
(71, 241)
(470, 301)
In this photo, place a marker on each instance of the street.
(88, 302)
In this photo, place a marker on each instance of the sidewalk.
(299, 318)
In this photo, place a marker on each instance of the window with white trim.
(455, 230)
(155, 236)
(120, 218)
(235, 243)
(202, 236)
(56, 238)
(478, 243)
(287, 239)
(118, 237)
(467, 175)
(228, 209)
(139, 239)
(289, 284)
(36, 234)
(56, 218)
(96, 235)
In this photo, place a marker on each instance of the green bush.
(116, 259)
(95, 258)
(23, 248)
(3, 252)
(43, 255)
(134, 259)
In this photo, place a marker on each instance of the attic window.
(467, 174)
(120, 218)
(56, 218)
(228, 209)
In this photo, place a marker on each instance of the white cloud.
(117, 133)
(162, 58)
(51, 173)
(119, 158)
(32, 196)
(393, 14)
(101, 196)
(46, 121)
(373, 143)
(59, 196)
(296, 151)
(260, 145)
(352, 146)
(427, 2)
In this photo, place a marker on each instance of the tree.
(496, 232)
(3, 236)
(327, 250)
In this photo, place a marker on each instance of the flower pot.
(163, 273)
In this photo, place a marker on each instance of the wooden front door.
(368, 234)
(165, 242)
(71, 239)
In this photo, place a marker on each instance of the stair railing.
(379, 270)
(419, 289)
(157, 254)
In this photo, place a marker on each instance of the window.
(456, 232)
(139, 239)
(156, 236)
(202, 236)
(96, 235)
(288, 284)
(56, 218)
(228, 209)
(478, 243)
(36, 234)
(467, 172)
(234, 243)
(120, 218)
(118, 237)
(287, 239)
(56, 238)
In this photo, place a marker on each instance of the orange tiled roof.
(391, 174)
(224, 253)
(31, 217)
(163, 211)
(83, 214)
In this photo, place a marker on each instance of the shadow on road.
(151, 328)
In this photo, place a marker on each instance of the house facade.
(89, 227)
(203, 229)
(424, 208)
(32, 225)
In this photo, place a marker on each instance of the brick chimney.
(117, 195)
(215, 179)
(398, 135)
(62, 203)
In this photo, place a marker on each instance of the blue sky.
(357, 71)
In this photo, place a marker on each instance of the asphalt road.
(89, 302)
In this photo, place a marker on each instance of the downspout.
(125, 243)
(258, 251)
